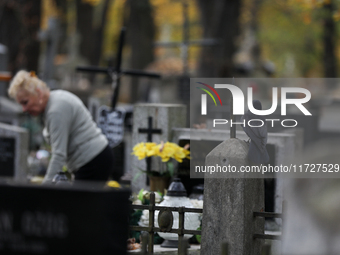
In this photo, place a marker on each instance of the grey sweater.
(74, 137)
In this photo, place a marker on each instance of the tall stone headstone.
(13, 152)
(164, 117)
(229, 204)
(311, 223)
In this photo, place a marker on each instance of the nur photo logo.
(204, 97)
(287, 96)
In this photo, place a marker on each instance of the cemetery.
(205, 144)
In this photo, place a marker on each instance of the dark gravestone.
(13, 152)
(7, 157)
(63, 220)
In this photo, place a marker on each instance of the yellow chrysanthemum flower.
(139, 150)
(165, 151)
(151, 149)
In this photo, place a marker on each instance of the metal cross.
(149, 131)
(116, 73)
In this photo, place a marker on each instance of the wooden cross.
(149, 131)
(117, 72)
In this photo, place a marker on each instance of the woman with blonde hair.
(75, 139)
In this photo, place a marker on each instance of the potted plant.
(162, 155)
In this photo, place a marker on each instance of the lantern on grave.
(176, 197)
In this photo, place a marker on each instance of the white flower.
(137, 202)
(158, 197)
(144, 219)
(197, 203)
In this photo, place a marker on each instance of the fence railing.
(269, 215)
(165, 226)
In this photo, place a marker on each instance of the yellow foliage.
(92, 2)
(166, 13)
(113, 27)
(49, 9)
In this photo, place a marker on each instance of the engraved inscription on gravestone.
(50, 220)
(7, 156)
(112, 124)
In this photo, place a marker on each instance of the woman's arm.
(58, 125)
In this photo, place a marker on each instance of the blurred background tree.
(298, 37)
(19, 25)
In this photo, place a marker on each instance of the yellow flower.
(151, 149)
(140, 151)
(113, 184)
(165, 151)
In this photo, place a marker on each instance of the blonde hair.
(26, 81)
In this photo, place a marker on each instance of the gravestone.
(311, 224)
(10, 112)
(13, 152)
(165, 117)
(281, 148)
(112, 124)
(78, 219)
(229, 204)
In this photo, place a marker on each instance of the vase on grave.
(160, 178)
(159, 161)
(159, 183)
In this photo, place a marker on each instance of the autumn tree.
(220, 20)
(91, 21)
(301, 34)
(140, 36)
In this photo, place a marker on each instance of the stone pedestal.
(229, 204)
(164, 117)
